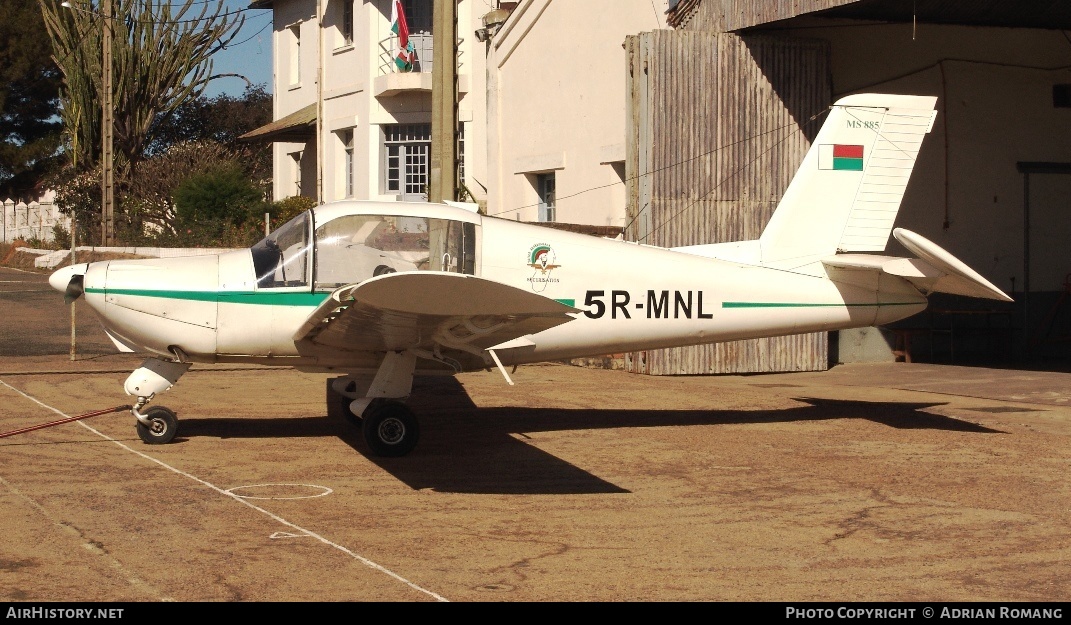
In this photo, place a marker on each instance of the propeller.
(74, 289)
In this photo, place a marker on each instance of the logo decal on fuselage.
(542, 258)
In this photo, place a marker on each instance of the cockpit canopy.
(350, 246)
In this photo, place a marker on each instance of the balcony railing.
(423, 49)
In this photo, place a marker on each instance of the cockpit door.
(353, 248)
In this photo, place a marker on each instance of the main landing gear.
(389, 427)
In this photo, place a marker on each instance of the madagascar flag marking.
(842, 157)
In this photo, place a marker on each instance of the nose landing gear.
(157, 425)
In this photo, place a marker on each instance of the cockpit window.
(354, 248)
(281, 258)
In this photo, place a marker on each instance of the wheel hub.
(391, 431)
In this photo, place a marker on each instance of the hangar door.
(716, 126)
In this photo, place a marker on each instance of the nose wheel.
(159, 427)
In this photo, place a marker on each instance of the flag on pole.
(403, 57)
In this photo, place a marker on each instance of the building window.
(406, 153)
(295, 54)
(545, 187)
(347, 146)
(346, 27)
(418, 15)
(295, 160)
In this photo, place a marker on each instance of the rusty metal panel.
(718, 124)
(734, 15)
(731, 15)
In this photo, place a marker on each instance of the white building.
(556, 100)
(541, 89)
(337, 56)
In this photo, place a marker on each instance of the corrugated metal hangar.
(732, 97)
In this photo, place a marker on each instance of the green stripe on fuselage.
(260, 298)
(806, 305)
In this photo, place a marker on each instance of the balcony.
(391, 81)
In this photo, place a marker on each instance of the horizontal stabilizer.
(957, 278)
(934, 271)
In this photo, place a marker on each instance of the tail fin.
(847, 192)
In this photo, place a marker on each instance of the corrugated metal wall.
(717, 125)
(733, 15)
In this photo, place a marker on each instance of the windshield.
(281, 258)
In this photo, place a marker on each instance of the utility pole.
(107, 226)
(320, 102)
(74, 261)
(442, 183)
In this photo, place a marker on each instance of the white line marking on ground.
(237, 498)
(323, 491)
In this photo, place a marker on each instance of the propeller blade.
(74, 289)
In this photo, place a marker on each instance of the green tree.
(221, 120)
(161, 58)
(29, 101)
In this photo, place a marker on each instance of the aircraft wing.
(934, 271)
(429, 310)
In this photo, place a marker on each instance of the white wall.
(26, 222)
(556, 102)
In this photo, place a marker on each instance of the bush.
(286, 209)
(61, 237)
(221, 194)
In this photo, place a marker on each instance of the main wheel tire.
(162, 428)
(338, 405)
(390, 429)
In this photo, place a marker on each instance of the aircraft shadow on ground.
(467, 449)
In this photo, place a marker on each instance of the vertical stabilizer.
(847, 191)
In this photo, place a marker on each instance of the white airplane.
(380, 292)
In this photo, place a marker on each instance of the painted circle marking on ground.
(295, 488)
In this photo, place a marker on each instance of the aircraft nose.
(63, 278)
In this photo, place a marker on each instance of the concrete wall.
(31, 221)
(556, 92)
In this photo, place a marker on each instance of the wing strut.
(500, 367)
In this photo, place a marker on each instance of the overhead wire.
(679, 163)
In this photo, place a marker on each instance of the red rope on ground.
(67, 420)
